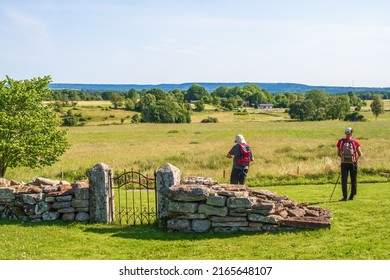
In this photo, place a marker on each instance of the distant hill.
(270, 87)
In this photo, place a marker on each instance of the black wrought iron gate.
(134, 198)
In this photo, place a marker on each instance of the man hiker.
(242, 155)
(348, 149)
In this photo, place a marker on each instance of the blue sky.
(330, 43)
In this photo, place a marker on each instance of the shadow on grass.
(153, 232)
(143, 232)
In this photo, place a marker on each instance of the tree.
(377, 106)
(199, 106)
(129, 104)
(303, 110)
(222, 91)
(320, 100)
(216, 100)
(195, 92)
(337, 107)
(117, 100)
(29, 133)
(281, 101)
(133, 95)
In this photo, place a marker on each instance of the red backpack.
(245, 154)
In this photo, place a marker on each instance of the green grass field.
(360, 231)
(292, 158)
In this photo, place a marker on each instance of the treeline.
(158, 106)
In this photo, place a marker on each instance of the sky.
(319, 43)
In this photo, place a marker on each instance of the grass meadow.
(297, 159)
(286, 152)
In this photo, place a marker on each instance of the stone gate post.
(100, 200)
(166, 176)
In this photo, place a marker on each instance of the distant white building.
(266, 106)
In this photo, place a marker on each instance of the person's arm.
(338, 149)
(231, 153)
(359, 152)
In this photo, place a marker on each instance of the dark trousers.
(351, 170)
(238, 175)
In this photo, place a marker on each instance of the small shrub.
(244, 112)
(354, 117)
(209, 120)
(135, 118)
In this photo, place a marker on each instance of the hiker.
(348, 149)
(242, 156)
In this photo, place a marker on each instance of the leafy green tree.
(235, 91)
(216, 100)
(377, 106)
(303, 110)
(281, 101)
(195, 92)
(159, 94)
(354, 99)
(320, 99)
(117, 100)
(133, 95)
(129, 104)
(199, 106)
(222, 91)
(178, 96)
(337, 107)
(29, 133)
(164, 111)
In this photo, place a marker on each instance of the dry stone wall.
(44, 200)
(200, 204)
(49, 200)
(194, 204)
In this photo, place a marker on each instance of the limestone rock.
(82, 217)
(188, 193)
(45, 181)
(213, 210)
(201, 225)
(50, 215)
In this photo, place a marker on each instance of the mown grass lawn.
(360, 231)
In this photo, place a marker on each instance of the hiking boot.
(343, 199)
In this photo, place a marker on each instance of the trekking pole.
(338, 179)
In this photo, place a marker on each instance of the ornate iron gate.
(134, 199)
